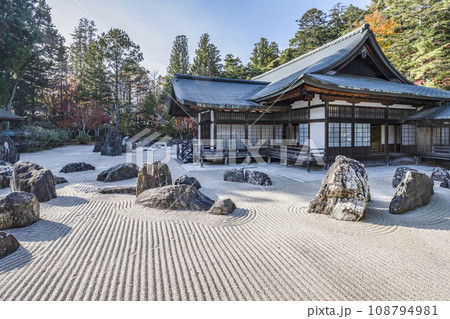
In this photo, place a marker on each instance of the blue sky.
(233, 25)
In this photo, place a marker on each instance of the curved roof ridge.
(321, 48)
(207, 78)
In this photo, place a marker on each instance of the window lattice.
(408, 134)
(302, 136)
(362, 134)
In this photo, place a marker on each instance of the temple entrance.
(375, 138)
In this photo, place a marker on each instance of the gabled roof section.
(441, 112)
(9, 116)
(209, 92)
(324, 60)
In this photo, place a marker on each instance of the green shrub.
(84, 138)
(33, 138)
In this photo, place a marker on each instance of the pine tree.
(264, 53)
(179, 57)
(82, 36)
(207, 58)
(234, 68)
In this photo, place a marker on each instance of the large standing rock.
(222, 207)
(234, 175)
(8, 244)
(445, 183)
(113, 144)
(98, 146)
(18, 209)
(344, 192)
(414, 191)
(175, 197)
(119, 173)
(439, 174)
(186, 180)
(257, 178)
(6, 170)
(77, 167)
(8, 151)
(151, 175)
(399, 175)
(33, 178)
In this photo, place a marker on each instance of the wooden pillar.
(386, 137)
(326, 135)
(395, 138)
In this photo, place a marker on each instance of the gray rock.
(118, 190)
(8, 244)
(98, 146)
(151, 175)
(415, 190)
(186, 180)
(399, 175)
(445, 183)
(119, 172)
(113, 144)
(222, 207)
(234, 175)
(33, 178)
(8, 151)
(77, 167)
(18, 209)
(6, 170)
(439, 174)
(344, 192)
(175, 197)
(60, 180)
(257, 178)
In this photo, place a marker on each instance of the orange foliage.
(382, 27)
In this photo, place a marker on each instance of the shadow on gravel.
(40, 231)
(68, 201)
(18, 259)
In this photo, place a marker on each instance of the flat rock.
(175, 197)
(8, 244)
(98, 146)
(113, 144)
(6, 170)
(222, 207)
(18, 209)
(344, 192)
(414, 191)
(186, 180)
(118, 190)
(77, 167)
(119, 172)
(33, 178)
(8, 151)
(234, 175)
(399, 175)
(439, 174)
(257, 178)
(151, 175)
(60, 180)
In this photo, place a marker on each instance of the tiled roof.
(441, 112)
(8, 116)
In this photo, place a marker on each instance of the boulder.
(222, 207)
(175, 197)
(6, 170)
(151, 175)
(118, 190)
(77, 167)
(415, 190)
(119, 173)
(18, 209)
(113, 144)
(8, 151)
(234, 175)
(186, 180)
(60, 180)
(344, 192)
(98, 146)
(399, 175)
(8, 244)
(445, 183)
(33, 178)
(257, 178)
(439, 174)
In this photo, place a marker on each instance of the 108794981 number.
(403, 310)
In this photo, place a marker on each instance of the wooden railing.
(434, 151)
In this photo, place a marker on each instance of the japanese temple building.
(344, 98)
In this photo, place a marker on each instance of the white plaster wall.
(317, 134)
(318, 113)
(391, 134)
(299, 105)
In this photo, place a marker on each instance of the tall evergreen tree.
(83, 34)
(234, 68)
(179, 57)
(207, 60)
(264, 53)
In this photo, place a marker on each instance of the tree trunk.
(117, 100)
(11, 98)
